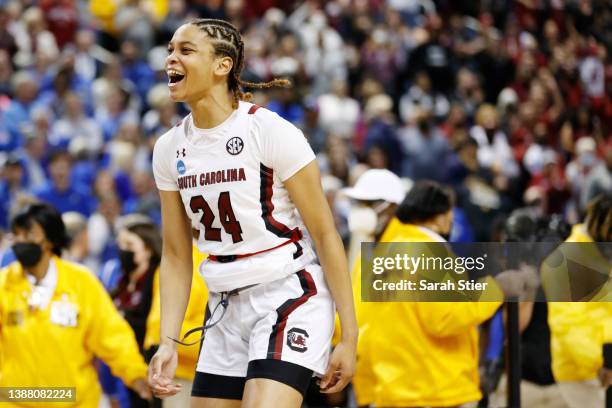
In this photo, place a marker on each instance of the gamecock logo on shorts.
(234, 146)
(296, 339)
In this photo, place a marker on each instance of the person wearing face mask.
(429, 357)
(375, 196)
(55, 317)
(139, 245)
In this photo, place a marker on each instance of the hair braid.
(226, 40)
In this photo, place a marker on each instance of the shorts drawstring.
(225, 297)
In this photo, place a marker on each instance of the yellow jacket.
(421, 353)
(35, 352)
(194, 316)
(578, 331)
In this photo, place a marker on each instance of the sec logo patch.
(234, 146)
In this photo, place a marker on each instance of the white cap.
(585, 144)
(377, 184)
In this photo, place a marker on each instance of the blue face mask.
(587, 159)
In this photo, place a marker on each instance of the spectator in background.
(382, 133)
(324, 57)
(65, 305)
(62, 19)
(89, 57)
(474, 187)
(286, 104)
(338, 112)
(162, 116)
(336, 160)
(177, 14)
(599, 180)
(135, 69)
(494, 152)
(60, 191)
(7, 39)
(34, 156)
(310, 125)
(101, 228)
(468, 92)
(17, 113)
(77, 249)
(139, 245)
(111, 79)
(6, 72)
(128, 152)
(32, 35)
(420, 97)
(426, 148)
(74, 124)
(145, 199)
(381, 58)
(539, 152)
(11, 184)
(577, 170)
(433, 56)
(63, 80)
(114, 111)
(551, 180)
(134, 23)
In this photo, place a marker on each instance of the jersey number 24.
(226, 215)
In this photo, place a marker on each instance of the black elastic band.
(206, 385)
(290, 374)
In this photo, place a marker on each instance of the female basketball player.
(237, 172)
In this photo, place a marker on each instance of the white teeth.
(174, 72)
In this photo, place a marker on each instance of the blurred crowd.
(506, 102)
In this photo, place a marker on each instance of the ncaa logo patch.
(234, 146)
(296, 340)
(180, 167)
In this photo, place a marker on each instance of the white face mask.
(366, 220)
(362, 220)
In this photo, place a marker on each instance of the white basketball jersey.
(231, 184)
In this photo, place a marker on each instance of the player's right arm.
(175, 285)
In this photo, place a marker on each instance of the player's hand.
(141, 388)
(341, 368)
(161, 371)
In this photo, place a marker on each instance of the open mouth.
(175, 77)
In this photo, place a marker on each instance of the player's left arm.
(306, 192)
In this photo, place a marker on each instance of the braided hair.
(226, 41)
